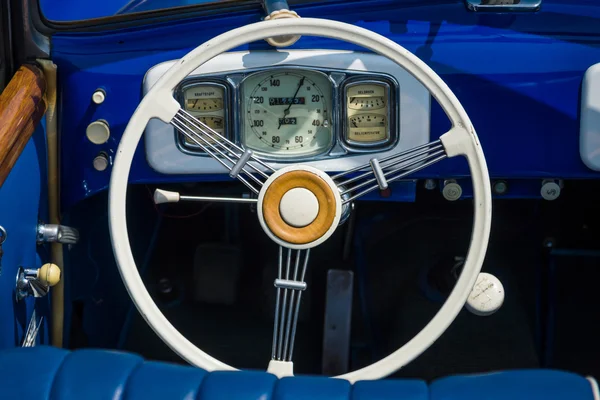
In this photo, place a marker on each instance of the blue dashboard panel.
(19, 207)
(517, 75)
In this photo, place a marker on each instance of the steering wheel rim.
(160, 103)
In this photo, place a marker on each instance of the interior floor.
(211, 270)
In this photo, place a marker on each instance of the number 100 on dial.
(287, 113)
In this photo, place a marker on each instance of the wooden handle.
(22, 106)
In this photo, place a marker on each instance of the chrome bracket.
(286, 314)
(379, 174)
(27, 284)
(503, 5)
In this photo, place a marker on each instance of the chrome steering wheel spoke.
(234, 158)
(383, 171)
(289, 285)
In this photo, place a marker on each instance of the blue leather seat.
(50, 373)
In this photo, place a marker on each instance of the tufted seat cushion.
(50, 373)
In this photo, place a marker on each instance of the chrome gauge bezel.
(333, 111)
(192, 148)
(391, 95)
(339, 79)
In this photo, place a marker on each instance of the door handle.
(503, 5)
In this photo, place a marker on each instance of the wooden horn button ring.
(317, 186)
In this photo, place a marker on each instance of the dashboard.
(333, 109)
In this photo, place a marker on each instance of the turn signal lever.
(165, 196)
(36, 282)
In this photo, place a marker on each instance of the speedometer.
(287, 112)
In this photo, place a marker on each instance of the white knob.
(486, 296)
(165, 196)
(550, 190)
(99, 96)
(452, 191)
(98, 132)
(49, 274)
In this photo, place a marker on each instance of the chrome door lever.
(52, 233)
(503, 5)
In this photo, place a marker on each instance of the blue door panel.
(19, 207)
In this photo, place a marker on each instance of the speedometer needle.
(287, 110)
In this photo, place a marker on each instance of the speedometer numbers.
(287, 113)
(367, 113)
(206, 102)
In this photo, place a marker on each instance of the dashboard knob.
(98, 132)
(452, 190)
(99, 96)
(550, 190)
(49, 274)
(487, 295)
(101, 162)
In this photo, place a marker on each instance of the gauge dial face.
(205, 102)
(287, 112)
(367, 112)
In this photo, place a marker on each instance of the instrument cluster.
(292, 113)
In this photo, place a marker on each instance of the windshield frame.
(46, 26)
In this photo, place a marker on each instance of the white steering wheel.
(299, 206)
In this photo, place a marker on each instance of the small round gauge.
(287, 112)
(213, 122)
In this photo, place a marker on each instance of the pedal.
(338, 321)
(217, 269)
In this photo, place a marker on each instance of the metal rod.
(388, 158)
(388, 173)
(396, 162)
(284, 306)
(213, 147)
(276, 322)
(297, 311)
(395, 178)
(218, 199)
(240, 163)
(183, 129)
(379, 175)
(227, 141)
(292, 296)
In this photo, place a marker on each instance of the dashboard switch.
(452, 190)
(98, 132)
(99, 96)
(101, 161)
(550, 190)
